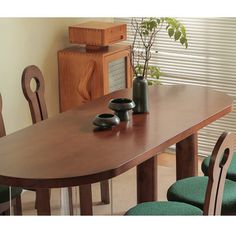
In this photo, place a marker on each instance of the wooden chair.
(192, 190)
(38, 111)
(210, 190)
(4, 190)
(231, 173)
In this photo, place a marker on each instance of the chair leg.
(36, 201)
(70, 196)
(105, 197)
(17, 208)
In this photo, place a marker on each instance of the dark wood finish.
(16, 202)
(43, 201)
(105, 196)
(176, 112)
(83, 74)
(17, 207)
(97, 33)
(35, 98)
(90, 152)
(220, 160)
(85, 195)
(147, 181)
(186, 152)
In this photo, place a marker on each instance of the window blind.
(210, 60)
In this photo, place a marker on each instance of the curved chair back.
(2, 127)
(35, 98)
(219, 164)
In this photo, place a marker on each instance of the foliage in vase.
(145, 33)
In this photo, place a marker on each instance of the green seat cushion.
(231, 174)
(4, 193)
(192, 191)
(163, 209)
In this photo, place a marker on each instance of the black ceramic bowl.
(106, 120)
(121, 106)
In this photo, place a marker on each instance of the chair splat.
(35, 98)
(220, 160)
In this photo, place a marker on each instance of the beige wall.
(26, 41)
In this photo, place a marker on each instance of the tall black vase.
(140, 95)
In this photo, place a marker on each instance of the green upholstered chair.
(210, 189)
(231, 174)
(4, 190)
(192, 190)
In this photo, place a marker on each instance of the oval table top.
(65, 150)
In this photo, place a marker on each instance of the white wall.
(26, 41)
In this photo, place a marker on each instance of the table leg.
(147, 180)
(187, 157)
(105, 196)
(85, 195)
(43, 202)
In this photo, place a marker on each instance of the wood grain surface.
(66, 150)
(84, 74)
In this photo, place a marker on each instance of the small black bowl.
(106, 121)
(121, 106)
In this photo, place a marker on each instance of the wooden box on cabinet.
(97, 33)
(84, 73)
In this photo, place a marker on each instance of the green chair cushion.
(4, 193)
(192, 191)
(163, 209)
(231, 174)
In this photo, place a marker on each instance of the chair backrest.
(2, 127)
(35, 98)
(219, 164)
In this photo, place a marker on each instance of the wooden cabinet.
(84, 73)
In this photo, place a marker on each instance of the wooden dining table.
(67, 150)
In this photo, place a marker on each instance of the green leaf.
(153, 72)
(171, 32)
(145, 32)
(186, 44)
(177, 35)
(158, 21)
(138, 69)
(183, 30)
(150, 82)
(152, 25)
(173, 22)
(182, 40)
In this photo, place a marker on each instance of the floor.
(123, 191)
